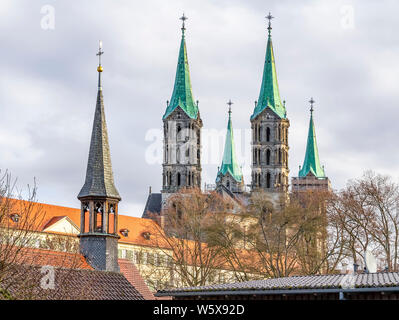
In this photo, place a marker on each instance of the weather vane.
(183, 18)
(311, 101)
(229, 104)
(269, 17)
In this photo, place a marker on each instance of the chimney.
(344, 269)
(355, 268)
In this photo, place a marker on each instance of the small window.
(146, 235)
(15, 217)
(124, 232)
(267, 134)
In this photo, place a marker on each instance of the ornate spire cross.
(229, 104)
(100, 52)
(311, 101)
(99, 68)
(183, 18)
(269, 17)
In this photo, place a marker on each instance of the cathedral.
(269, 126)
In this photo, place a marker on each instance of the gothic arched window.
(267, 134)
(268, 157)
(178, 179)
(268, 178)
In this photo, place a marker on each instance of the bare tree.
(320, 247)
(368, 211)
(184, 235)
(21, 223)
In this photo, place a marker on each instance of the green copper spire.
(269, 94)
(229, 163)
(182, 95)
(312, 161)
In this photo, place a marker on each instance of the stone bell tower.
(99, 197)
(269, 124)
(182, 131)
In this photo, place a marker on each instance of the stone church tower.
(182, 131)
(99, 197)
(269, 126)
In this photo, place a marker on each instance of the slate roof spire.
(312, 162)
(182, 95)
(229, 162)
(269, 96)
(99, 176)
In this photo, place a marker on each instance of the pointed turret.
(311, 164)
(99, 176)
(182, 95)
(229, 173)
(269, 96)
(311, 176)
(98, 196)
(229, 162)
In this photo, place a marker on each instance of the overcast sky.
(343, 53)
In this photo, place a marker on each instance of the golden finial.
(99, 54)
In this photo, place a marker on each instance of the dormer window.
(146, 235)
(124, 232)
(15, 217)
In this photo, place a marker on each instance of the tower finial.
(99, 68)
(229, 104)
(269, 17)
(183, 18)
(311, 101)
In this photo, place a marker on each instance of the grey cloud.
(48, 83)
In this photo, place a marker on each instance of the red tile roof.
(132, 274)
(69, 284)
(49, 214)
(42, 257)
